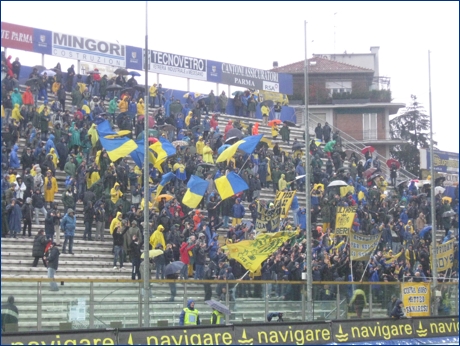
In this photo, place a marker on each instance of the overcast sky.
(255, 34)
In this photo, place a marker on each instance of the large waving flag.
(248, 145)
(138, 154)
(230, 185)
(105, 130)
(166, 178)
(196, 187)
(118, 147)
(163, 149)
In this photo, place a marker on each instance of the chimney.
(275, 64)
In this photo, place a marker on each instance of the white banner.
(177, 65)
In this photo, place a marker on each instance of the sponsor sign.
(361, 246)
(43, 41)
(306, 333)
(134, 58)
(88, 49)
(177, 65)
(416, 298)
(445, 255)
(17, 37)
(444, 161)
(344, 220)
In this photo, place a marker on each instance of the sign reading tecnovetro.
(88, 49)
(177, 65)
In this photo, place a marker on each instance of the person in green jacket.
(113, 107)
(70, 167)
(67, 199)
(44, 119)
(285, 133)
(74, 134)
(77, 98)
(276, 175)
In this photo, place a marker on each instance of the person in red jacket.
(213, 123)
(28, 99)
(185, 251)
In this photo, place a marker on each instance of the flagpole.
(434, 267)
(146, 273)
(307, 189)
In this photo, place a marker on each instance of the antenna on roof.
(334, 31)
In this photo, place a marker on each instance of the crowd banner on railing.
(362, 246)
(445, 255)
(344, 220)
(298, 333)
(416, 298)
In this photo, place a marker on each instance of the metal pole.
(39, 305)
(337, 303)
(146, 273)
(307, 189)
(434, 264)
(91, 305)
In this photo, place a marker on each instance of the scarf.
(49, 184)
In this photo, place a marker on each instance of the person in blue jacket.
(50, 144)
(295, 209)
(14, 159)
(403, 216)
(68, 223)
(302, 218)
(238, 212)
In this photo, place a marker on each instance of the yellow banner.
(268, 220)
(345, 189)
(344, 220)
(416, 298)
(284, 200)
(362, 246)
(251, 253)
(445, 255)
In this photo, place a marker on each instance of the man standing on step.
(189, 315)
(68, 224)
(53, 262)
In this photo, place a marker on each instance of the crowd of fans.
(111, 193)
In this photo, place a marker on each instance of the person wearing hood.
(398, 310)
(140, 108)
(113, 107)
(38, 248)
(14, 218)
(157, 237)
(188, 119)
(199, 146)
(189, 315)
(228, 127)
(213, 122)
(50, 144)
(223, 100)
(51, 187)
(27, 210)
(68, 223)
(14, 159)
(265, 113)
(116, 222)
(207, 154)
(115, 193)
(255, 129)
(282, 184)
(16, 98)
(16, 115)
(124, 105)
(53, 262)
(20, 187)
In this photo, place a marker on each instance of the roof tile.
(321, 66)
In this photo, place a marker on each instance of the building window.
(369, 126)
(338, 87)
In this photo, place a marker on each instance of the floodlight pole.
(307, 190)
(146, 273)
(434, 263)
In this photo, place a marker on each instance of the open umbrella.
(201, 97)
(298, 146)
(373, 176)
(437, 181)
(449, 213)
(139, 87)
(218, 306)
(222, 148)
(167, 197)
(424, 231)
(439, 190)
(206, 165)
(197, 128)
(231, 140)
(154, 253)
(238, 92)
(173, 268)
(368, 149)
(167, 127)
(127, 90)
(49, 73)
(274, 122)
(32, 81)
(180, 143)
(337, 183)
(134, 74)
(114, 87)
(290, 124)
(342, 169)
(234, 133)
(390, 162)
(369, 171)
(121, 71)
(403, 182)
(39, 67)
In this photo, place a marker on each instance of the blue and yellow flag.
(162, 149)
(118, 147)
(196, 188)
(164, 180)
(248, 145)
(230, 185)
(105, 130)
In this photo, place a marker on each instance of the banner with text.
(177, 65)
(88, 49)
(362, 246)
(344, 220)
(284, 201)
(444, 161)
(416, 298)
(17, 37)
(445, 255)
(251, 253)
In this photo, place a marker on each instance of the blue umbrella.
(424, 231)
(218, 306)
(201, 97)
(173, 268)
(222, 148)
(134, 74)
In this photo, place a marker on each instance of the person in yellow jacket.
(153, 95)
(275, 131)
(282, 184)
(115, 193)
(94, 136)
(51, 187)
(157, 237)
(116, 222)
(140, 107)
(55, 157)
(16, 115)
(188, 118)
(141, 205)
(265, 113)
(200, 146)
(207, 154)
(123, 105)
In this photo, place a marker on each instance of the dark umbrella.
(32, 81)
(231, 140)
(402, 182)
(234, 133)
(127, 90)
(218, 306)
(421, 195)
(113, 87)
(134, 73)
(449, 213)
(437, 181)
(373, 176)
(39, 67)
(197, 128)
(121, 71)
(206, 165)
(139, 87)
(289, 123)
(167, 127)
(173, 268)
(342, 169)
(369, 171)
(298, 146)
(238, 92)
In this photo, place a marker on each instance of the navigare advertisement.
(295, 333)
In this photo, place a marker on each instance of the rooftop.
(320, 65)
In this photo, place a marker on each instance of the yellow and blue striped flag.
(247, 145)
(105, 130)
(118, 147)
(164, 180)
(163, 149)
(196, 188)
(230, 185)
